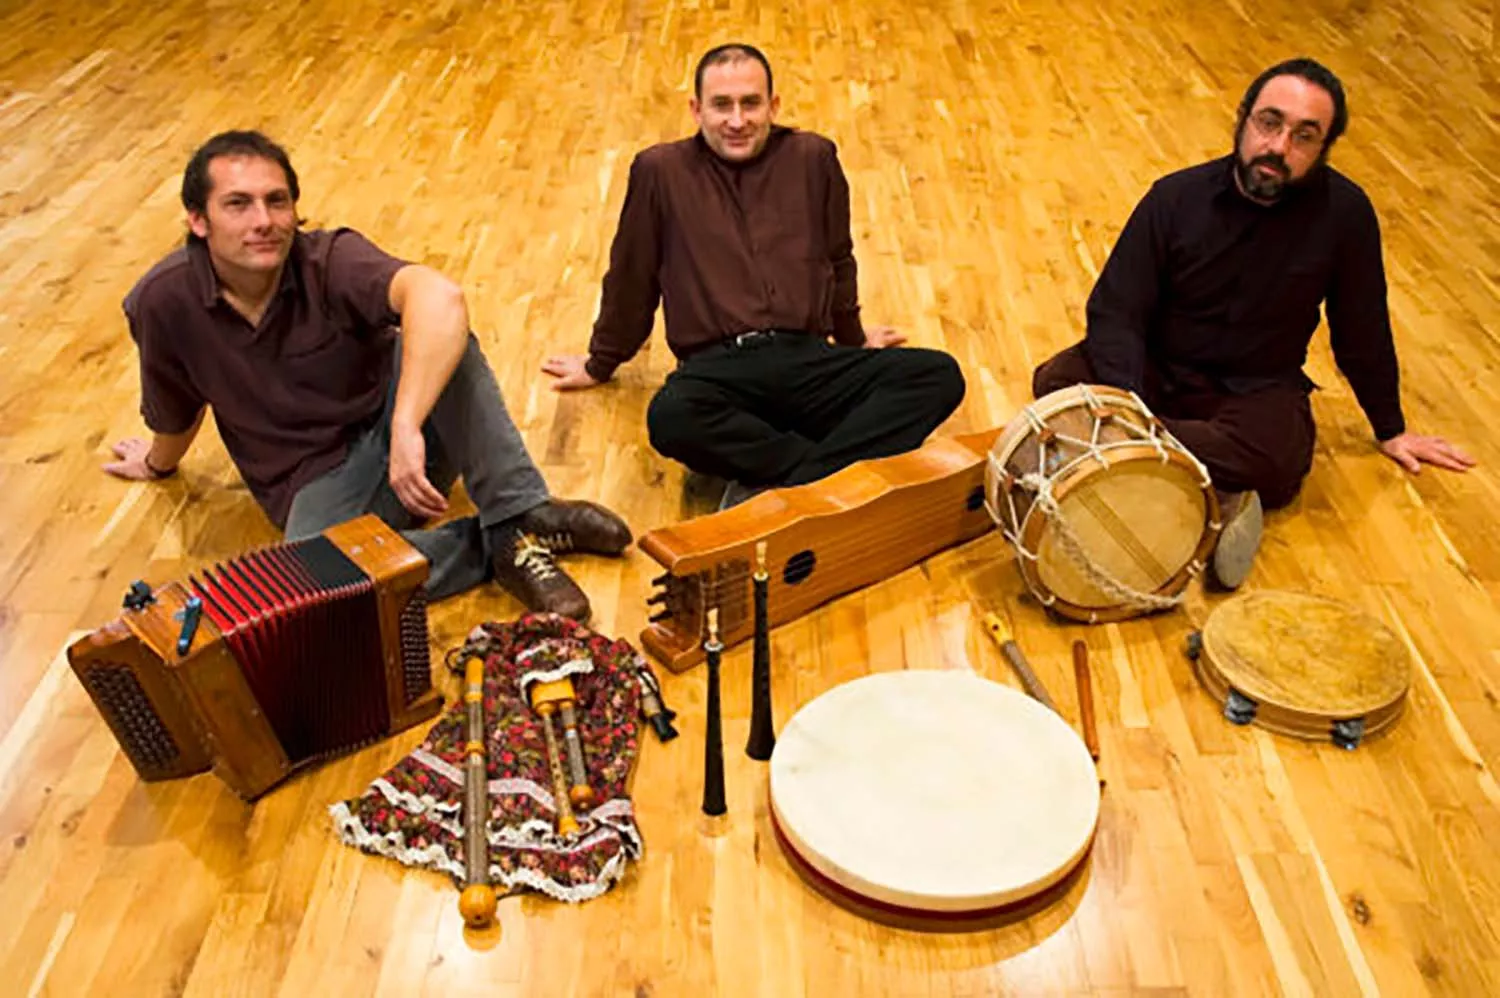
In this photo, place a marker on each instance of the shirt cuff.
(847, 329)
(1388, 426)
(599, 369)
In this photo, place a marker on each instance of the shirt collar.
(207, 281)
(1225, 187)
(773, 139)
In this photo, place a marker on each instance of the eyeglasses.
(1269, 123)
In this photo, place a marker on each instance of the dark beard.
(1261, 188)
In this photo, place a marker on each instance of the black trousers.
(1262, 440)
(792, 408)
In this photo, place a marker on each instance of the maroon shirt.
(290, 395)
(729, 248)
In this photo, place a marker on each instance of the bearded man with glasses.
(1213, 291)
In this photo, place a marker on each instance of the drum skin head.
(1305, 661)
(1140, 520)
(934, 791)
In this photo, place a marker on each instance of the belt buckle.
(751, 338)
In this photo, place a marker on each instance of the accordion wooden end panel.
(303, 651)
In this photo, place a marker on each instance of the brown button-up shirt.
(729, 248)
(288, 395)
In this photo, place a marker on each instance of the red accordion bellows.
(304, 650)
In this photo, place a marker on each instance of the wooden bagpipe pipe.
(857, 527)
(269, 662)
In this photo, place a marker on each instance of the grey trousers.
(469, 434)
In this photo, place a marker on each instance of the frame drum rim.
(1217, 673)
(857, 837)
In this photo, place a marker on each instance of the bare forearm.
(434, 333)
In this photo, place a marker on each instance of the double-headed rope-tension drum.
(1109, 514)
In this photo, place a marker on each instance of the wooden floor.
(994, 149)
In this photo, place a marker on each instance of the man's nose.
(1280, 142)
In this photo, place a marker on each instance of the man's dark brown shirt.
(289, 395)
(729, 248)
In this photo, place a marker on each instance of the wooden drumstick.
(1012, 653)
(477, 902)
(1085, 698)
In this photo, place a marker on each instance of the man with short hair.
(326, 408)
(741, 232)
(1212, 294)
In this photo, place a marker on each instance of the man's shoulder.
(1345, 193)
(169, 281)
(318, 245)
(665, 155)
(805, 142)
(1207, 177)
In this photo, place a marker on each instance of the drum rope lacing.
(1047, 503)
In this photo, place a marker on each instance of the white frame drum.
(933, 795)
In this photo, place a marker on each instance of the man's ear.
(198, 222)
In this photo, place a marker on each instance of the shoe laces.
(534, 559)
(558, 542)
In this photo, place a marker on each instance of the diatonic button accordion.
(303, 651)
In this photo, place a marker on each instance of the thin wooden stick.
(1085, 698)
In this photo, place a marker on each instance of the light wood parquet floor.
(994, 149)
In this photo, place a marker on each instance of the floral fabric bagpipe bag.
(414, 813)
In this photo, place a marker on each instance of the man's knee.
(948, 385)
(1275, 475)
(671, 417)
(941, 378)
(1282, 475)
(1284, 460)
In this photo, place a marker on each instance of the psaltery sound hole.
(798, 567)
(976, 498)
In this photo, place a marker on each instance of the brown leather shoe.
(563, 525)
(525, 569)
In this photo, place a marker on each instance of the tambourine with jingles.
(1302, 665)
